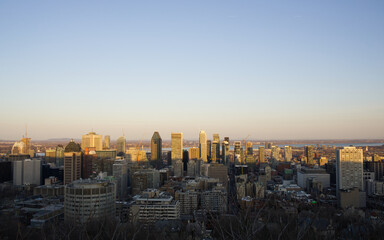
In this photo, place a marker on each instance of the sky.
(268, 69)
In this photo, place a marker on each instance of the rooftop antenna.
(26, 130)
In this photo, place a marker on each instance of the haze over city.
(271, 69)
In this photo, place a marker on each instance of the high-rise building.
(72, 162)
(239, 153)
(215, 151)
(107, 142)
(27, 172)
(287, 153)
(250, 159)
(226, 139)
(121, 146)
(177, 146)
(349, 168)
(194, 153)
(261, 154)
(214, 200)
(178, 168)
(89, 159)
(209, 150)
(120, 173)
(225, 153)
(89, 200)
(203, 145)
(191, 167)
(275, 153)
(308, 152)
(59, 155)
(156, 150)
(219, 171)
(92, 140)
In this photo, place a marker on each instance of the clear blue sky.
(270, 69)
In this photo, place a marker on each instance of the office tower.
(120, 173)
(250, 159)
(178, 168)
(287, 153)
(18, 148)
(237, 147)
(308, 152)
(268, 145)
(72, 162)
(209, 150)
(194, 153)
(89, 159)
(226, 139)
(177, 146)
(376, 166)
(92, 140)
(143, 179)
(153, 205)
(185, 160)
(27, 172)
(275, 153)
(89, 200)
(107, 142)
(191, 168)
(261, 155)
(219, 171)
(225, 153)
(203, 145)
(215, 151)
(59, 155)
(121, 146)
(349, 168)
(156, 150)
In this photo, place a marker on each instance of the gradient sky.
(270, 69)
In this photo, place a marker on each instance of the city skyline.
(274, 70)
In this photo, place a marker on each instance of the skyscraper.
(275, 153)
(176, 146)
(209, 150)
(203, 145)
(287, 153)
(261, 154)
(349, 168)
(91, 140)
(107, 142)
(156, 150)
(215, 151)
(121, 146)
(216, 137)
(249, 154)
(308, 152)
(225, 153)
(194, 153)
(72, 162)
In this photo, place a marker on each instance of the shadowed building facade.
(156, 150)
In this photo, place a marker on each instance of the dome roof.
(72, 147)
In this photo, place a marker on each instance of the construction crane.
(245, 139)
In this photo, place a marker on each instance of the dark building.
(378, 168)
(5, 171)
(48, 171)
(156, 150)
(89, 159)
(185, 159)
(209, 150)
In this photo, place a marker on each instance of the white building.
(27, 172)
(153, 205)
